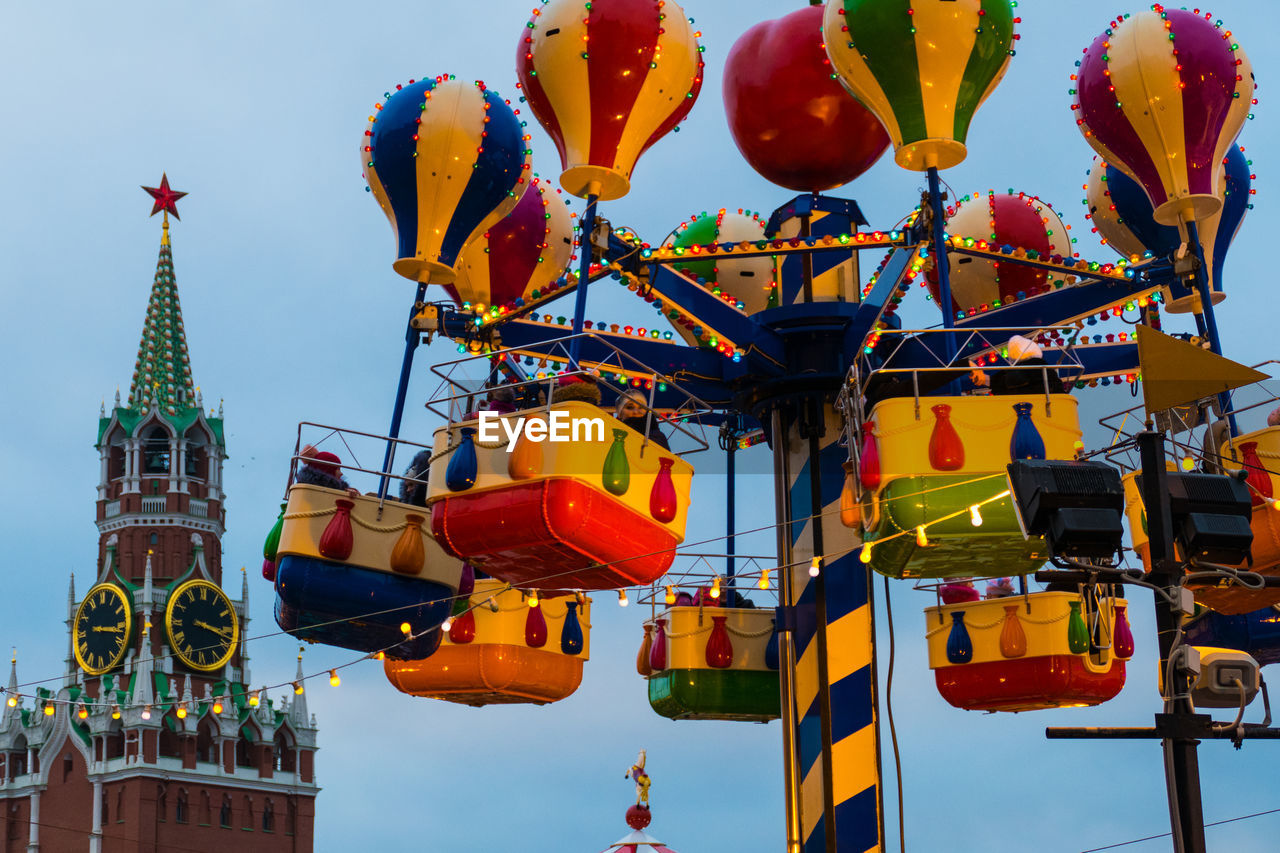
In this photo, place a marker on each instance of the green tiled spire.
(163, 368)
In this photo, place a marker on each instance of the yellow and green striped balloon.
(922, 66)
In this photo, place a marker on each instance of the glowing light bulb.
(83, 713)
(13, 701)
(975, 517)
(446, 624)
(671, 595)
(253, 699)
(715, 587)
(146, 712)
(297, 688)
(921, 539)
(764, 579)
(406, 628)
(815, 567)
(865, 556)
(115, 712)
(48, 710)
(622, 598)
(334, 680)
(1188, 463)
(217, 705)
(182, 711)
(533, 598)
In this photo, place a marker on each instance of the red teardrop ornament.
(662, 498)
(658, 652)
(1259, 481)
(463, 629)
(719, 646)
(869, 463)
(337, 540)
(535, 628)
(946, 451)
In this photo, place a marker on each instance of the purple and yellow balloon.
(1122, 216)
(1162, 95)
(446, 160)
(522, 256)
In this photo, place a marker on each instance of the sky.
(293, 313)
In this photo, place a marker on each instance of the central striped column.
(850, 658)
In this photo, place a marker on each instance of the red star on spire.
(166, 199)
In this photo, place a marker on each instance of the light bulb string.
(19, 692)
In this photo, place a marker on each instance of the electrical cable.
(893, 729)
(1167, 834)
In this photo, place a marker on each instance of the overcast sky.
(293, 313)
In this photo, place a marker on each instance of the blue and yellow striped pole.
(832, 706)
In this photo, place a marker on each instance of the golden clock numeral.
(179, 638)
(204, 593)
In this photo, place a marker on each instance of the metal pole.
(786, 627)
(1181, 763)
(730, 522)
(411, 339)
(1206, 310)
(584, 267)
(806, 260)
(820, 601)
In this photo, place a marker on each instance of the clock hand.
(107, 628)
(222, 631)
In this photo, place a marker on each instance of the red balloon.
(792, 122)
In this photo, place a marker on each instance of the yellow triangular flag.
(1175, 372)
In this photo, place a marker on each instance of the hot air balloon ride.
(1122, 217)
(1029, 652)
(446, 160)
(601, 510)
(524, 255)
(1024, 222)
(709, 661)
(503, 647)
(748, 284)
(1256, 632)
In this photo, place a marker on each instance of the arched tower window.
(206, 747)
(168, 745)
(286, 757)
(224, 813)
(155, 451)
(162, 803)
(246, 819)
(181, 812)
(197, 453)
(268, 816)
(244, 750)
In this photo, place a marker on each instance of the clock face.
(102, 627)
(202, 625)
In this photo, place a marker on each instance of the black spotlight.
(1076, 506)
(1211, 515)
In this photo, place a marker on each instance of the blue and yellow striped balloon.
(922, 66)
(445, 159)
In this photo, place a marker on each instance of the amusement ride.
(940, 455)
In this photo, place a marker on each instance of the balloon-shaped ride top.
(607, 80)
(1162, 95)
(446, 160)
(1122, 216)
(922, 67)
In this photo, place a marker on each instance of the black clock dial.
(202, 625)
(102, 625)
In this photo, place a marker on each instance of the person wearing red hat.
(322, 468)
(576, 387)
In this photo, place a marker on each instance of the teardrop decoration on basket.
(525, 461)
(719, 646)
(1026, 442)
(461, 473)
(642, 656)
(337, 540)
(662, 497)
(959, 646)
(658, 651)
(869, 461)
(946, 451)
(466, 581)
(1258, 481)
(771, 649)
(535, 627)
(1013, 640)
(1077, 631)
(272, 543)
(850, 508)
(571, 638)
(463, 629)
(1122, 642)
(617, 473)
(269, 570)
(409, 555)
